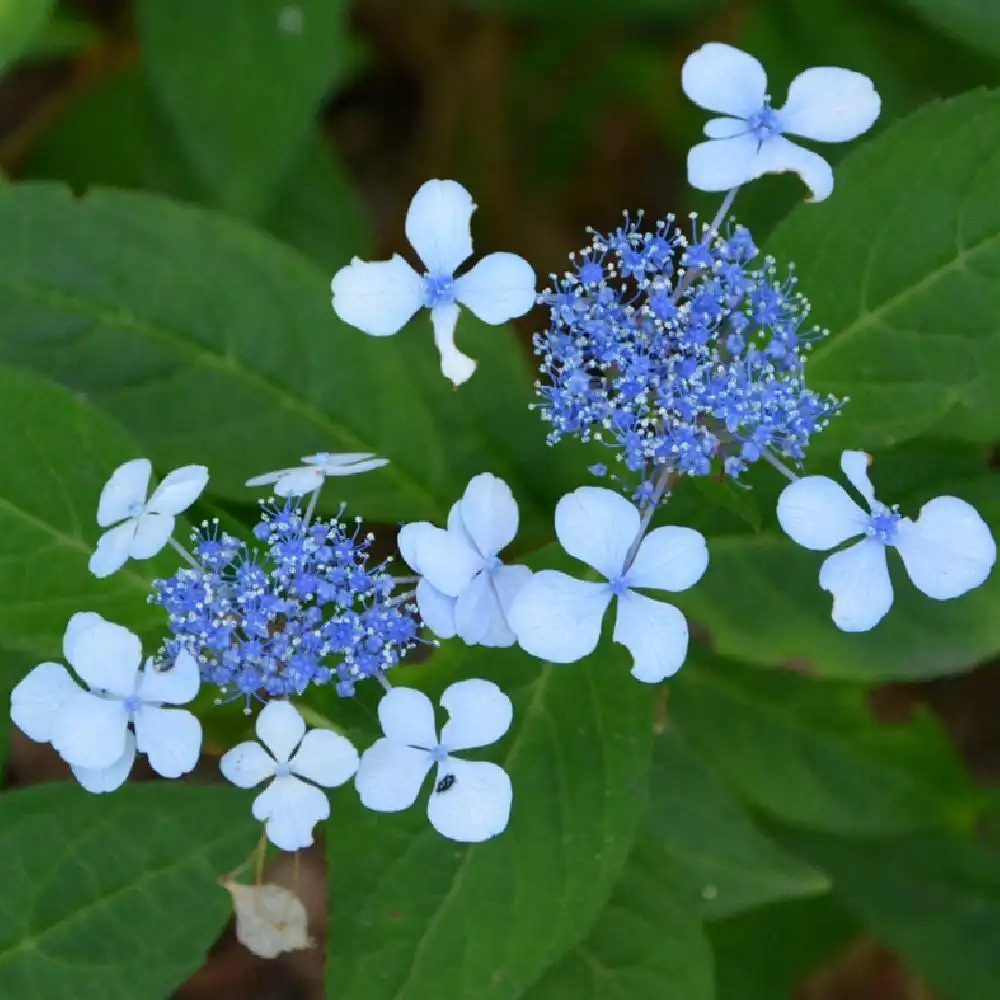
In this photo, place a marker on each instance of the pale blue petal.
(299, 482)
(477, 607)
(439, 225)
(948, 550)
(479, 714)
(455, 366)
(724, 79)
(778, 156)
(669, 559)
(152, 532)
(124, 491)
(290, 808)
(446, 560)
(597, 526)
(179, 490)
(725, 128)
(829, 104)
(558, 618)
(105, 655)
(489, 514)
(722, 164)
(818, 513)
(390, 775)
(655, 633)
(169, 737)
(98, 780)
(407, 717)
(476, 804)
(89, 731)
(437, 610)
(37, 698)
(280, 728)
(175, 685)
(247, 764)
(325, 757)
(858, 579)
(112, 549)
(499, 288)
(378, 298)
(854, 465)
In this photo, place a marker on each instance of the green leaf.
(55, 456)
(809, 752)
(418, 916)
(114, 897)
(647, 944)
(901, 264)
(242, 84)
(934, 899)
(764, 954)
(212, 343)
(700, 834)
(20, 22)
(975, 22)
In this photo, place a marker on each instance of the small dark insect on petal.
(445, 783)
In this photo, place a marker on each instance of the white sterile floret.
(826, 103)
(290, 806)
(465, 589)
(146, 524)
(558, 618)
(947, 551)
(270, 919)
(380, 298)
(471, 799)
(97, 729)
(308, 478)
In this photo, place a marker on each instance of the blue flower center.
(882, 524)
(321, 458)
(439, 290)
(618, 586)
(134, 509)
(764, 123)
(282, 771)
(133, 703)
(439, 754)
(492, 564)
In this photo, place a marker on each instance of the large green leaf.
(810, 753)
(55, 455)
(700, 834)
(20, 22)
(417, 916)
(114, 897)
(901, 264)
(647, 944)
(933, 898)
(242, 83)
(212, 343)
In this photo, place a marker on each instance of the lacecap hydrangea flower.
(464, 588)
(303, 607)
(558, 617)
(122, 707)
(826, 103)
(471, 799)
(146, 525)
(947, 551)
(304, 479)
(678, 356)
(293, 762)
(380, 298)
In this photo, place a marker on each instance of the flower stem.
(691, 276)
(660, 487)
(778, 464)
(383, 680)
(311, 506)
(184, 552)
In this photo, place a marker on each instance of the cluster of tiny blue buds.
(678, 353)
(302, 608)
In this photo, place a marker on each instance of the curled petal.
(439, 225)
(948, 550)
(267, 478)
(818, 513)
(669, 559)
(725, 79)
(778, 156)
(179, 490)
(169, 737)
(105, 655)
(175, 685)
(475, 804)
(112, 549)
(280, 728)
(289, 809)
(597, 526)
(378, 298)
(299, 482)
(437, 610)
(390, 775)
(479, 714)
(325, 757)
(858, 579)
(558, 618)
(854, 465)
(347, 463)
(152, 532)
(37, 698)
(247, 764)
(830, 104)
(489, 513)
(89, 731)
(106, 779)
(500, 287)
(655, 633)
(455, 366)
(124, 492)
(407, 717)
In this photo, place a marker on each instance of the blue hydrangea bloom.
(679, 354)
(304, 607)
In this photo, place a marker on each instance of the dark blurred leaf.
(975, 22)
(597, 10)
(242, 83)
(20, 23)
(700, 836)
(811, 754)
(63, 35)
(935, 899)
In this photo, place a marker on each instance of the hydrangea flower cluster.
(679, 355)
(303, 608)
